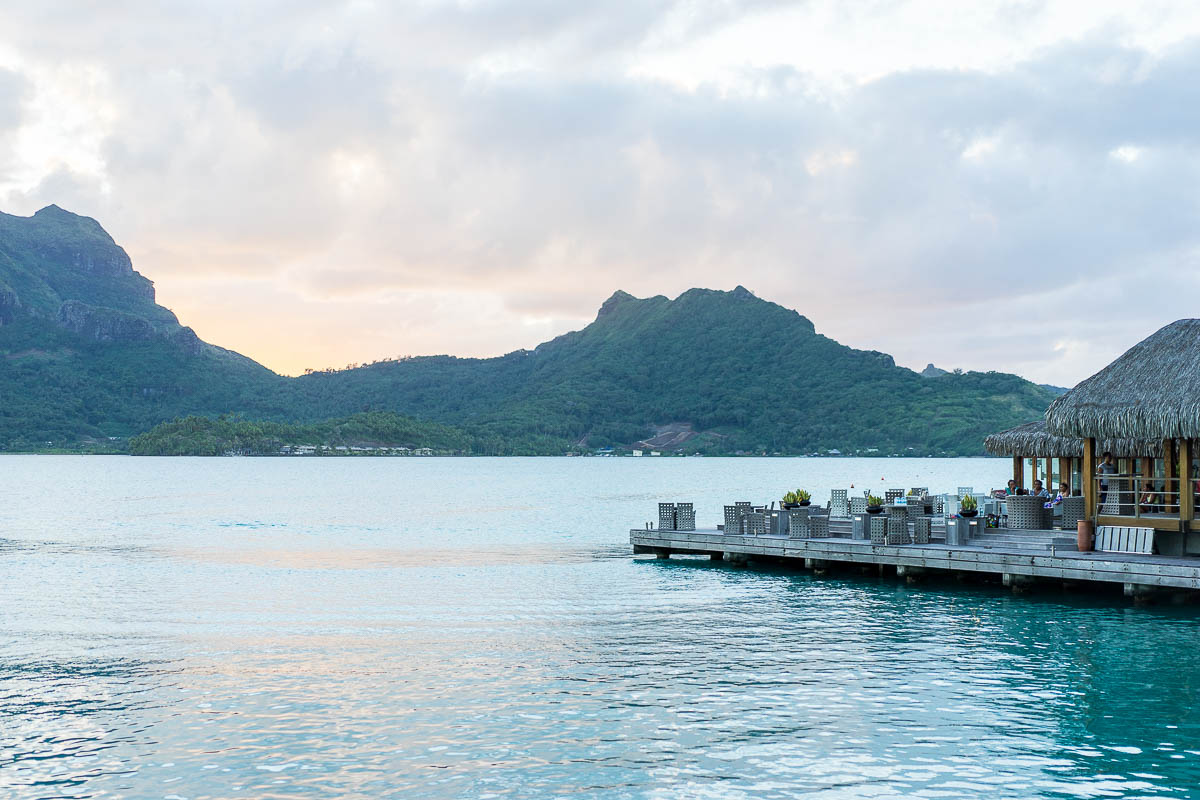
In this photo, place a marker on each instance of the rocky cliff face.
(103, 324)
(186, 340)
(56, 256)
(103, 259)
(107, 325)
(65, 268)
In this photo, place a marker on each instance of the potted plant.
(874, 504)
(803, 497)
(790, 500)
(969, 506)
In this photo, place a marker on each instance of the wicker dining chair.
(1072, 511)
(733, 521)
(798, 527)
(666, 516)
(685, 517)
(838, 503)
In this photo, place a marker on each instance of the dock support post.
(662, 552)
(717, 556)
(910, 574)
(1140, 592)
(737, 559)
(1018, 583)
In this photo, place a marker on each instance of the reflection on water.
(349, 628)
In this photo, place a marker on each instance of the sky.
(1001, 184)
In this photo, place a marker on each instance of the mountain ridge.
(91, 354)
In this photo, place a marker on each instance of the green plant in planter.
(872, 500)
(802, 496)
(790, 498)
(969, 503)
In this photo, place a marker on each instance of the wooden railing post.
(1064, 473)
(1170, 488)
(1089, 478)
(1187, 509)
(1019, 471)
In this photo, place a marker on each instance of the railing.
(1138, 496)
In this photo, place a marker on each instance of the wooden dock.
(1017, 560)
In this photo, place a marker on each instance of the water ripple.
(228, 634)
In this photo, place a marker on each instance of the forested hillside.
(743, 373)
(87, 355)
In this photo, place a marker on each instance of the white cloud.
(1126, 152)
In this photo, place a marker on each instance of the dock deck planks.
(1124, 568)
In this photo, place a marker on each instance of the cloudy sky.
(1001, 184)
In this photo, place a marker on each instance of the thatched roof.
(1032, 440)
(1151, 392)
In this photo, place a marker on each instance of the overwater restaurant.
(1144, 411)
(1038, 454)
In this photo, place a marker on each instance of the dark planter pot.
(968, 514)
(788, 506)
(874, 509)
(806, 502)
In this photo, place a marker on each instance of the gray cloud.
(977, 219)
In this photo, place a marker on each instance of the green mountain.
(724, 371)
(85, 352)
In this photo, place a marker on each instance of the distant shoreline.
(67, 452)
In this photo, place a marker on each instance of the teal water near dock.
(477, 628)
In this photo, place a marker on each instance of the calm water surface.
(476, 628)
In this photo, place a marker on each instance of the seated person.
(1012, 488)
(1064, 490)
(1039, 490)
(1149, 501)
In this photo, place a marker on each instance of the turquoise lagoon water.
(476, 628)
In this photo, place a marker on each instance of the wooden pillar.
(1019, 471)
(1169, 487)
(1186, 510)
(1064, 473)
(1089, 478)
